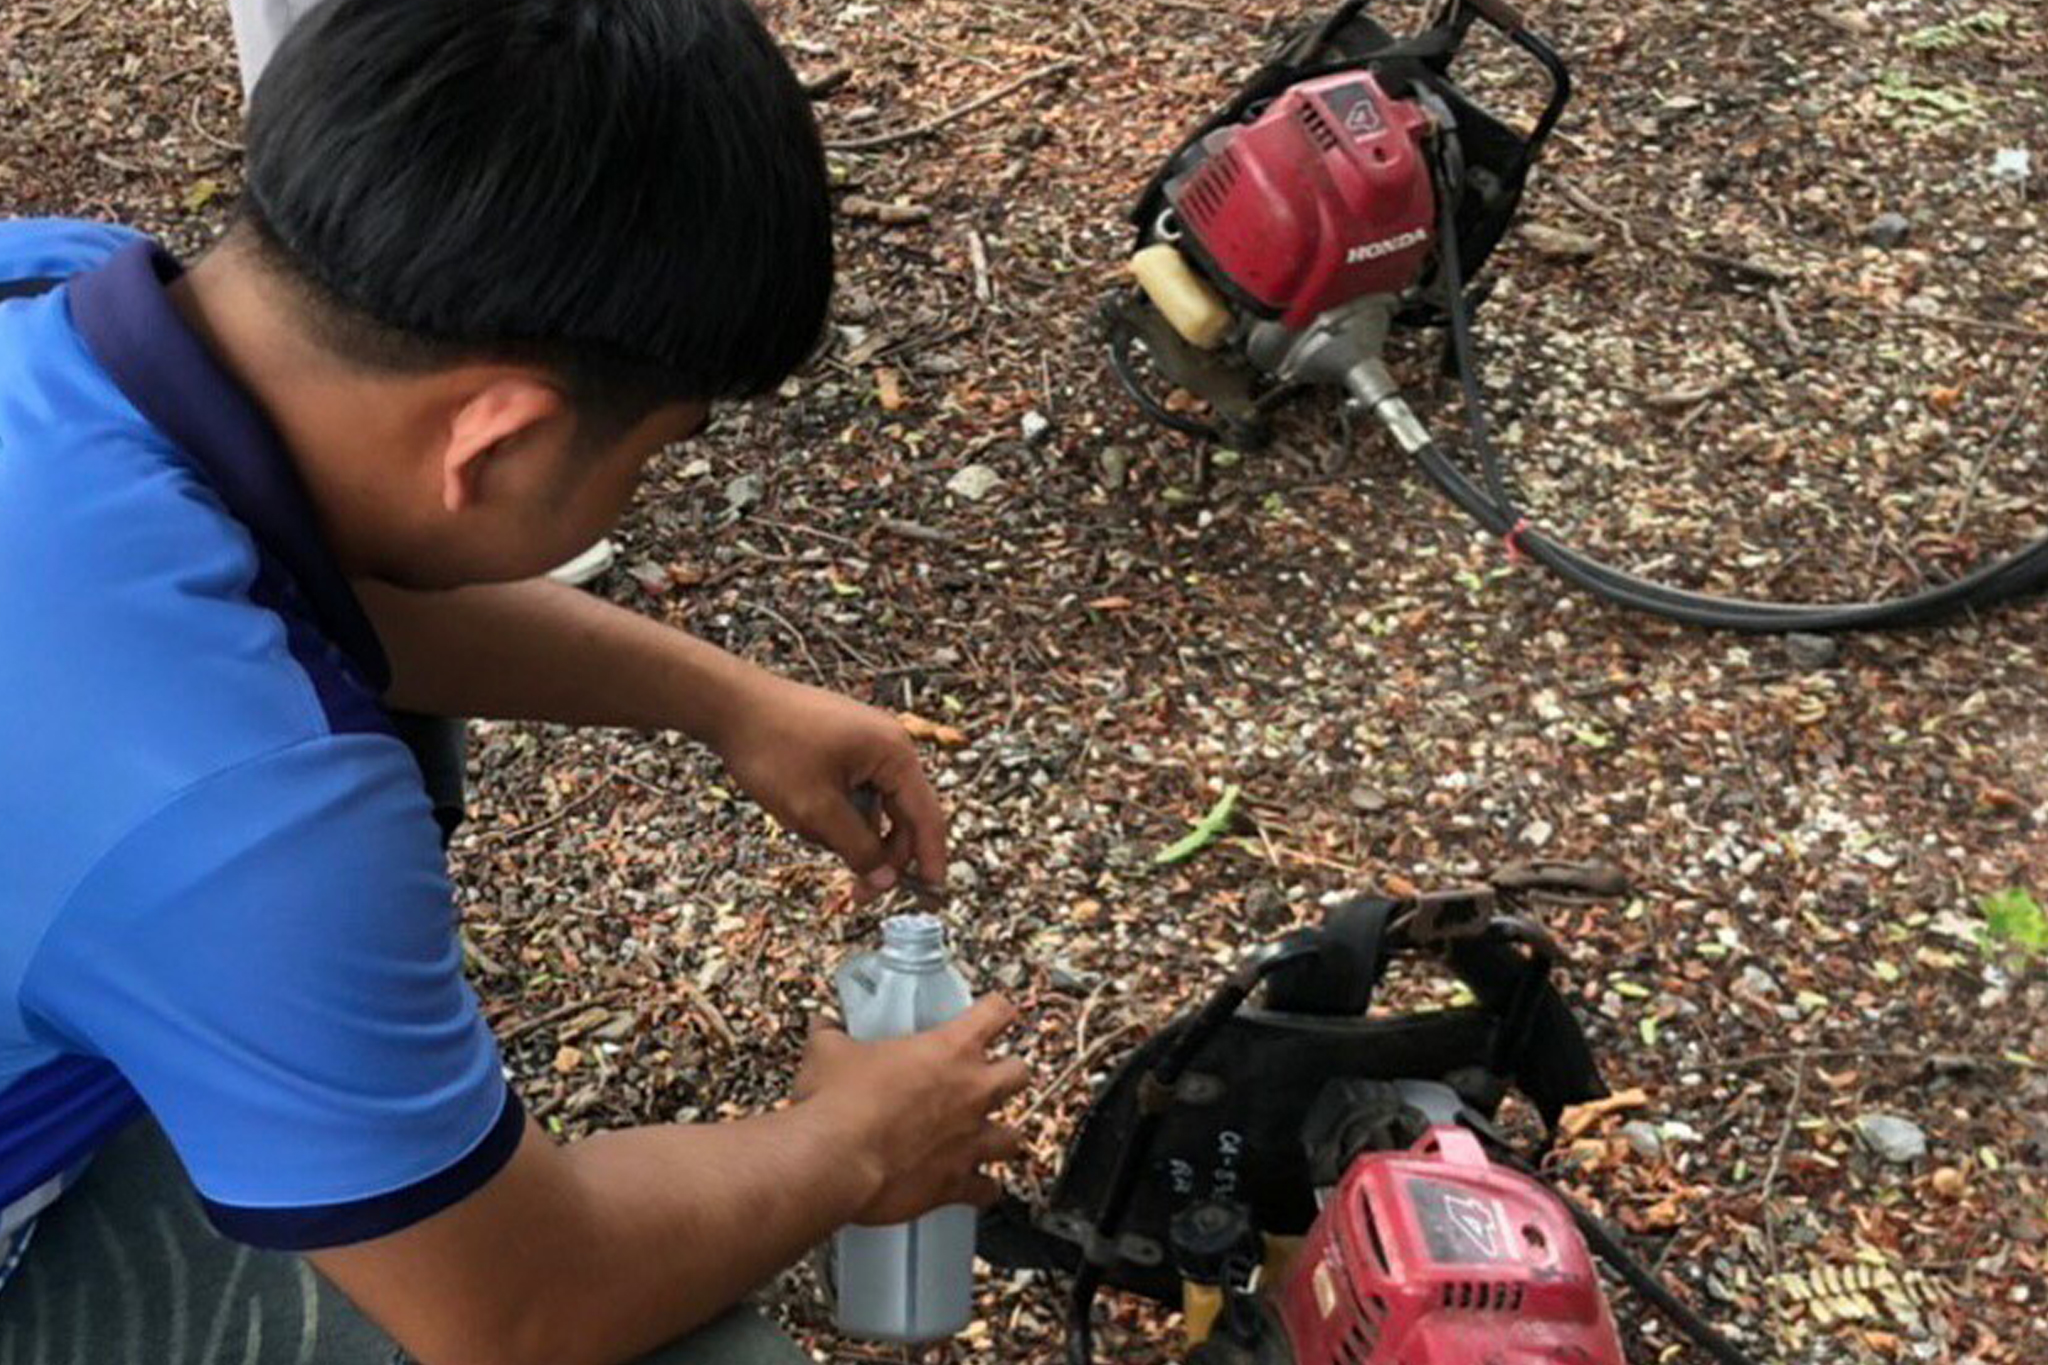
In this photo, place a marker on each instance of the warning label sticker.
(1461, 1228)
(1356, 109)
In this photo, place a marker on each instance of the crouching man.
(493, 255)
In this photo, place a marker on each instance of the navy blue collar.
(173, 380)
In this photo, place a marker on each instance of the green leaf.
(1928, 103)
(1206, 832)
(1958, 32)
(1646, 1027)
(1631, 990)
(2013, 919)
(1884, 971)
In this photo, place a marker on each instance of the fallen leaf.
(889, 390)
(932, 731)
(1580, 1117)
(896, 214)
(1206, 831)
(1558, 243)
(1662, 1216)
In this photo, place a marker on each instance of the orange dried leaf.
(932, 731)
(1581, 1117)
(1663, 1216)
(889, 390)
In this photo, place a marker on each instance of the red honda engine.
(1323, 198)
(1436, 1256)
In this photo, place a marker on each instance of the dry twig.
(930, 126)
(1770, 1216)
(1994, 440)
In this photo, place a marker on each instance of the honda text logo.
(1386, 246)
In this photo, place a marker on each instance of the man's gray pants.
(125, 1270)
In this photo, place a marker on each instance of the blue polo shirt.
(222, 896)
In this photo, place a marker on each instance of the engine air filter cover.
(1435, 1256)
(1324, 197)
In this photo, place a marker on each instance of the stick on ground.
(930, 126)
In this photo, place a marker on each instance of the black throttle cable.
(1494, 508)
(1607, 1244)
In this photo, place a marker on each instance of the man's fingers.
(913, 805)
(999, 1143)
(826, 1038)
(841, 827)
(983, 1022)
(897, 850)
(1007, 1078)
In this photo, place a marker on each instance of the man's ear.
(505, 407)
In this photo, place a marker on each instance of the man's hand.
(598, 1251)
(807, 755)
(924, 1105)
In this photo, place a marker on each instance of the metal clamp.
(1440, 917)
(1561, 882)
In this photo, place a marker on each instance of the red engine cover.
(1436, 1256)
(1325, 197)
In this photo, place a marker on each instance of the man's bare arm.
(597, 1252)
(538, 650)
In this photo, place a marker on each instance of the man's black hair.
(630, 193)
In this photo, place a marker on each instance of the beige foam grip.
(1199, 1306)
(1182, 297)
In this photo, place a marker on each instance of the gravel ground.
(1728, 380)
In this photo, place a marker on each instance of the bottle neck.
(914, 943)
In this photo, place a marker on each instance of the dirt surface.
(1736, 387)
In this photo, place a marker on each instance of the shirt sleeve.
(52, 248)
(272, 961)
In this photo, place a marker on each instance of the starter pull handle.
(1458, 1146)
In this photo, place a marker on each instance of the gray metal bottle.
(910, 1281)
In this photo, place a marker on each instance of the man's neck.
(333, 421)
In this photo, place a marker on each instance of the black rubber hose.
(1494, 508)
(1606, 1243)
(1120, 339)
(1081, 1315)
